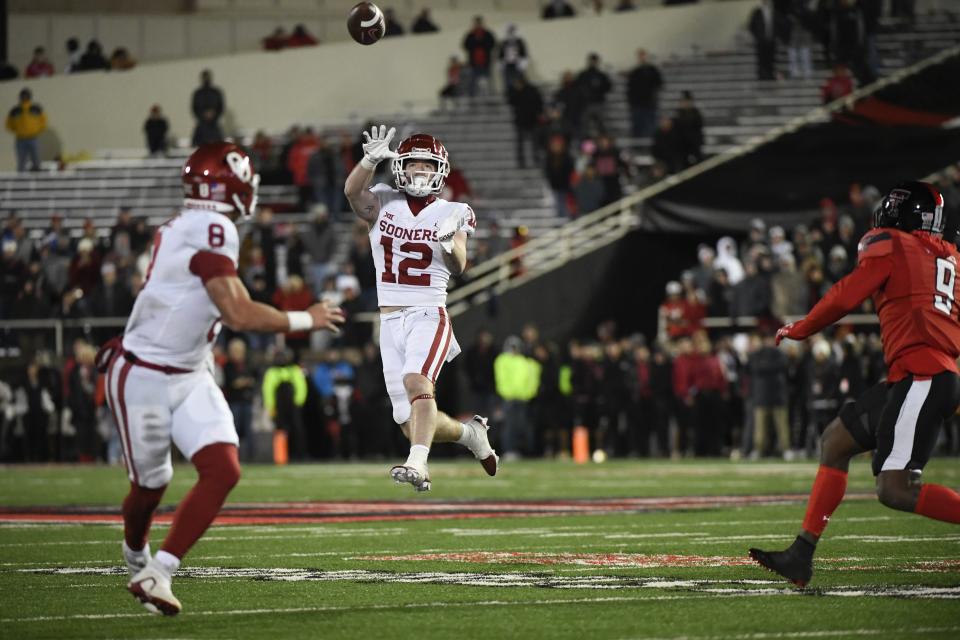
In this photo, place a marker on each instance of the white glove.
(376, 149)
(447, 229)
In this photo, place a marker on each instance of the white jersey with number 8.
(406, 252)
(174, 322)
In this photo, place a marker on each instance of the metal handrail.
(496, 271)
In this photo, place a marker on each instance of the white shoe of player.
(151, 586)
(416, 475)
(480, 445)
(136, 560)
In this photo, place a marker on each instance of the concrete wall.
(340, 82)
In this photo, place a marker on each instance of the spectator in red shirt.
(680, 316)
(710, 387)
(684, 366)
(838, 85)
(455, 187)
(276, 41)
(479, 44)
(39, 66)
(85, 267)
(301, 38)
(298, 157)
(294, 295)
(454, 86)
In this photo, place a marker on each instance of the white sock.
(466, 437)
(127, 551)
(167, 561)
(418, 455)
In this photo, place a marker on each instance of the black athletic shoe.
(794, 563)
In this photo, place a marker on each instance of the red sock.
(138, 508)
(825, 497)
(219, 469)
(938, 502)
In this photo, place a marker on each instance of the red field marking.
(266, 513)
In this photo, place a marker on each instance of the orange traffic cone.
(581, 445)
(280, 452)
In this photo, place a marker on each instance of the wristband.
(300, 320)
(368, 164)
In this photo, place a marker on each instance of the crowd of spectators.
(90, 58)
(775, 276)
(280, 39)
(845, 29)
(736, 396)
(681, 393)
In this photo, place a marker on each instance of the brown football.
(365, 23)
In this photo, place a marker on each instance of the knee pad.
(401, 411)
(157, 478)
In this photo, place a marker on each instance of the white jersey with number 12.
(406, 252)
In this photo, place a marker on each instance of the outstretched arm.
(842, 298)
(356, 189)
(375, 150)
(240, 313)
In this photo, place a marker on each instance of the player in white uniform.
(159, 385)
(418, 242)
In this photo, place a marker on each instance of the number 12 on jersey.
(946, 277)
(403, 275)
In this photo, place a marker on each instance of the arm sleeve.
(846, 295)
(469, 225)
(208, 265)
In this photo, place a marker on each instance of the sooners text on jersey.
(406, 252)
(174, 322)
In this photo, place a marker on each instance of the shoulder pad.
(381, 187)
(875, 243)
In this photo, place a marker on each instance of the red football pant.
(219, 469)
(828, 489)
(138, 508)
(939, 502)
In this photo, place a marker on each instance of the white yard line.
(822, 633)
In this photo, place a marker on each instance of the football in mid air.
(366, 23)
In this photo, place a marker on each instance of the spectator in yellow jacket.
(26, 122)
(284, 394)
(517, 379)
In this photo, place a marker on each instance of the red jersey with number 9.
(174, 322)
(913, 280)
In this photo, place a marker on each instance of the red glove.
(785, 332)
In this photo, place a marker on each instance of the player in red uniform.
(909, 268)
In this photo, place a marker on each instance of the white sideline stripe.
(905, 429)
(821, 633)
(372, 607)
(689, 539)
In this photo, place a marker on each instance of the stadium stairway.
(736, 107)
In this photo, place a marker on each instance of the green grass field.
(579, 558)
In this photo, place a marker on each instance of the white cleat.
(136, 560)
(151, 586)
(482, 450)
(415, 475)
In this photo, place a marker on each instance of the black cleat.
(795, 566)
